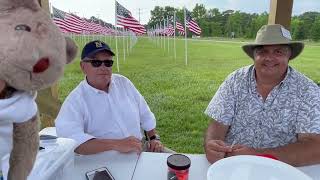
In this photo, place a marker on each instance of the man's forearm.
(301, 153)
(214, 145)
(94, 146)
(215, 131)
(24, 150)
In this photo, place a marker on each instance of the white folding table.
(150, 165)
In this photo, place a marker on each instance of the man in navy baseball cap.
(93, 47)
(105, 111)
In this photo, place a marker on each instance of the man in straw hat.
(268, 107)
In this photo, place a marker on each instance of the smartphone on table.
(99, 174)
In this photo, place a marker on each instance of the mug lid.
(178, 162)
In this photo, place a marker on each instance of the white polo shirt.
(91, 113)
(16, 109)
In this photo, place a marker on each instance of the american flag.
(89, 29)
(101, 27)
(191, 24)
(108, 28)
(67, 22)
(169, 30)
(125, 19)
(180, 27)
(58, 18)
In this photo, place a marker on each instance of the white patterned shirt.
(89, 113)
(292, 107)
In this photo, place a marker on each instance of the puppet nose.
(41, 65)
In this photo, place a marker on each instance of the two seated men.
(265, 108)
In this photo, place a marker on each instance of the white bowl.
(246, 167)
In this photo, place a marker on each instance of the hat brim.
(98, 50)
(296, 48)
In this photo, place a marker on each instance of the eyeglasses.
(97, 63)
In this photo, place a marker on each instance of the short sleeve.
(70, 121)
(222, 106)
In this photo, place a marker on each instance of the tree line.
(216, 23)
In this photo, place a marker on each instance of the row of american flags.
(71, 23)
(168, 29)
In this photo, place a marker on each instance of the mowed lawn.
(177, 93)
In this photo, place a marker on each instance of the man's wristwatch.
(154, 137)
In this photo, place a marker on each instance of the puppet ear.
(12, 4)
(72, 49)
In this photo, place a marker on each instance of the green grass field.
(178, 94)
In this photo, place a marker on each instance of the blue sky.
(105, 8)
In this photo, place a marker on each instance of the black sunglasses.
(97, 63)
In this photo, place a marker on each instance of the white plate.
(247, 167)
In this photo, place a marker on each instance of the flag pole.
(124, 45)
(127, 37)
(174, 38)
(157, 34)
(185, 37)
(115, 26)
(161, 34)
(168, 35)
(164, 34)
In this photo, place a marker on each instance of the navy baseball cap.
(93, 47)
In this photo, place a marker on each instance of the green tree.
(257, 22)
(199, 12)
(216, 23)
(157, 15)
(215, 29)
(308, 18)
(214, 14)
(315, 30)
(224, 20)
(214, 17)
(297, 29)
(180, 15)
(169, 11)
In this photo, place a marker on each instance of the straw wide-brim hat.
(274, 35)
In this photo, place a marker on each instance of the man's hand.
(242, 150)
(216, 150)
(155, 146)
(129, 144)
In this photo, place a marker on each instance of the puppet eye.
(22, 27)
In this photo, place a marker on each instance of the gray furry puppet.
(33, 54)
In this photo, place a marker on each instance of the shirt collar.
(286, 78)
(253, 77)
(95, 90)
